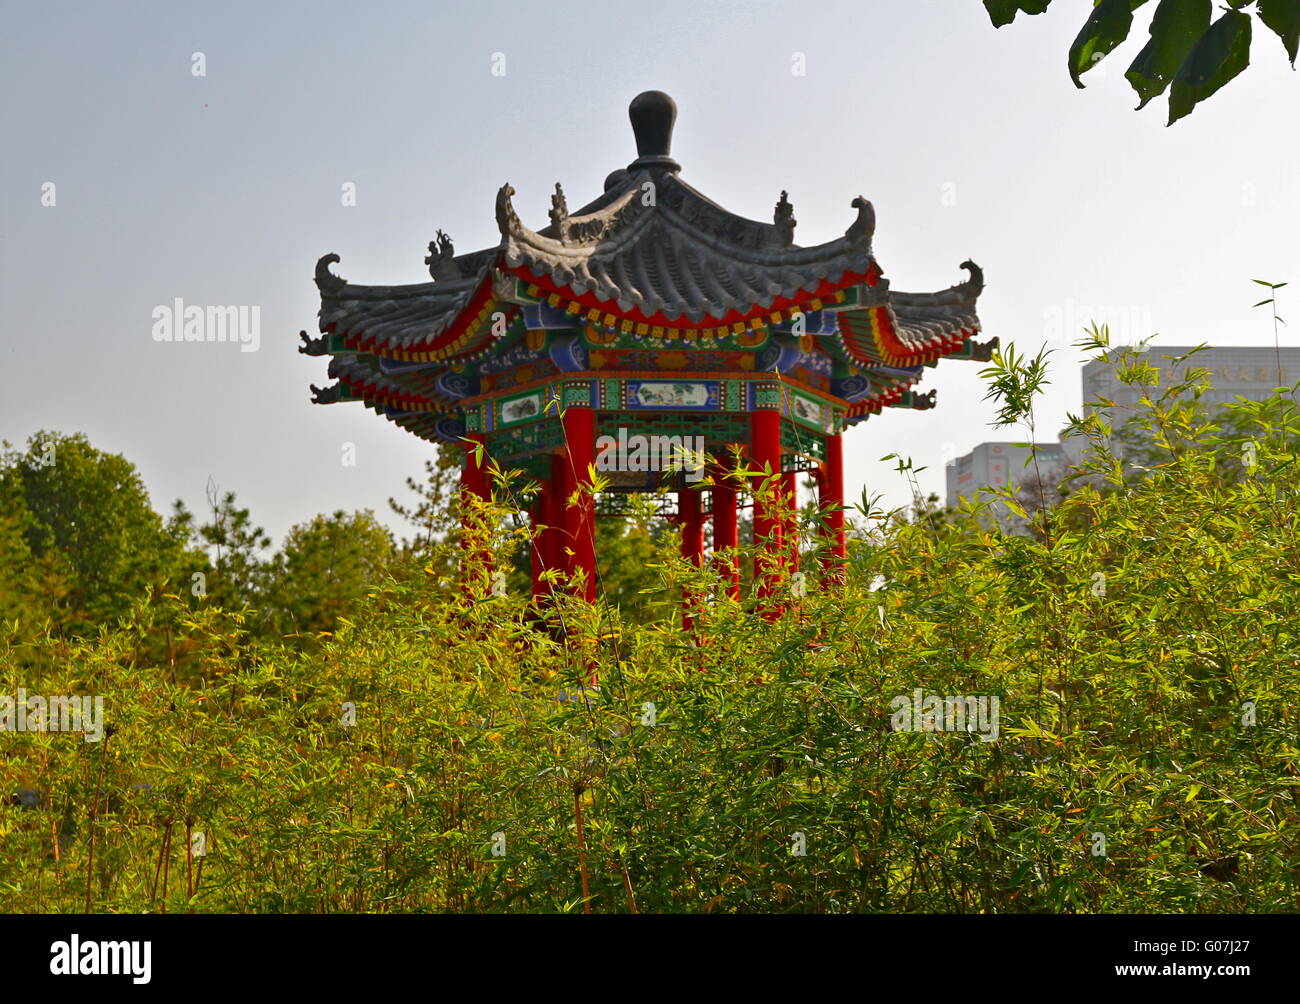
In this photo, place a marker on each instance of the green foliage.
(1174, 30)
(1014, 382)
(1144, 650)
(432, 515)
(1282, 17)
(1107, 26)
(324, 567)
(31, 590)
(234, 545)
(625, 549)
(88, 528)
(1185, 54)
(1004, 11)
(1174, 419)
(1218, 56)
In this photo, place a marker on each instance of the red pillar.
(726, 533)
(475, 490)
(580, 519)
(690, 511)
(765, 454)
(790, 525)
(537, 516)
(549, 544)
(830, 500)
(560, 547)
(691, 520)
(474, 475)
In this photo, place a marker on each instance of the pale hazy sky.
(224, 189)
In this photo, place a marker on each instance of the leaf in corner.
(1283, 17)
(1218, 56)
(1107, 26)
(1174, 30)
(1004, 11)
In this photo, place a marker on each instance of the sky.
(225, 188)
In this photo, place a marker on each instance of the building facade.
(1249, 372)
(993, 466)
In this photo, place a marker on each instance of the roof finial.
(560, 214)
(442, 259)
(653, 114)
(784, 221)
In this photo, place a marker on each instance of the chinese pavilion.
(651, 312)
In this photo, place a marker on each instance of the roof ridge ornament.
(653, 115)
(982, 352)
(326, 395)
(441, 259)
(327, 281)
(924, 402)
(503, 287)
(784, 221)
(507, 218)
(560, 214)
(976, 276)
(864, 227)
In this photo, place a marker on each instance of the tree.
(432, 514)
(625, 547)
(1186, 54)
(324, 567)
(1235, 430)
(86, 520)
(236, 572)
(31, 589)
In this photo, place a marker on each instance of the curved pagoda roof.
(651, 261)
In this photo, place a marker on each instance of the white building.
(992, 466)
(1246, 371)
(1249, 371)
